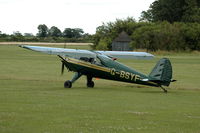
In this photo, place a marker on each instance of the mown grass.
(32, 98)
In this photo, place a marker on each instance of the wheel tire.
(90, 84)
(68, 84)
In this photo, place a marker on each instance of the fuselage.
(106, 68)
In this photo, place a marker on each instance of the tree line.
(155, 36)
(52, 34)
(166, 25)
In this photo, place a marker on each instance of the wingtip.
(150, 55)
(22, 46)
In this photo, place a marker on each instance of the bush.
(151, 36)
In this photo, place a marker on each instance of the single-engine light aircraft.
(103, 64)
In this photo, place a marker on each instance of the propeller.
(63, 65)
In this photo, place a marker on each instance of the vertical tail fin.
(162, 72)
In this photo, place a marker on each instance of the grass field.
(33, 100)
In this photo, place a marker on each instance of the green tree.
(0, 34)
(67, 33)
(17, 33)
(42, 30)
(77, 32)
(172, 11)
(73, 33)
(106, 33)
(146, 16)
(17, 36)
(191, 11)
(191, 35)
(54, 32)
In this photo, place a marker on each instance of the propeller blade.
(62, 69)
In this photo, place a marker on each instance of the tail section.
(162, 72)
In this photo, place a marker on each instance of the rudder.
(162, 72)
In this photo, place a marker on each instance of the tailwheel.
(90, 84)
(68, 84)
(165, 90)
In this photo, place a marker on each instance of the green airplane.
(103, 64)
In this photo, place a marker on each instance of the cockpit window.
(86, 59)
(91, 60)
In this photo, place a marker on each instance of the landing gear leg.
(163, 89)
(68, 83)
(90, 83)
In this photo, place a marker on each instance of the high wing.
(127, 55)
(76, 53)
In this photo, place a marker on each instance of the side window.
(86, 59)
(91, 60)
(98, 62)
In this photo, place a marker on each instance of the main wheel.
(68, 84)
(90, 84)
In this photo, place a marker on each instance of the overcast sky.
(26, 15)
